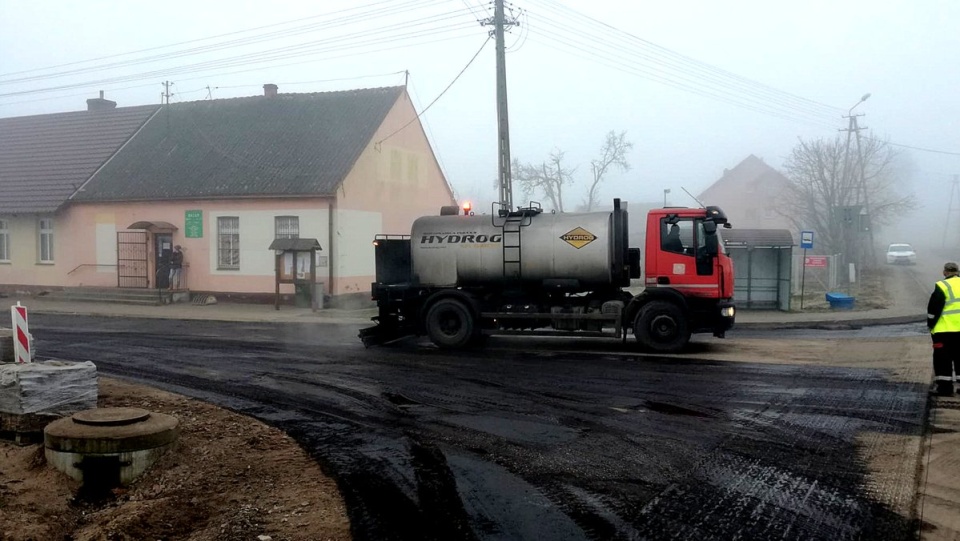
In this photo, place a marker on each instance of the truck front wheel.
(450, 324)
(661, 326)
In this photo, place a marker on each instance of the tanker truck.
(460, 277)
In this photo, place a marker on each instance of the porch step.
(143, 297)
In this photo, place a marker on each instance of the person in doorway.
(943, 319)
(176, 267)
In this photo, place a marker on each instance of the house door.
(164, 248)
(132, 259)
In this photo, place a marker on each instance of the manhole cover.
(111, 416)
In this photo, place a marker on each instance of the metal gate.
(132, 259)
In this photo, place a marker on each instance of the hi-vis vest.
(949, 320)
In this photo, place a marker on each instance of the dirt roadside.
(229, 477)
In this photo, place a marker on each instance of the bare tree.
(828, 194)
(552, 176)
(612, 154)
(548, 178)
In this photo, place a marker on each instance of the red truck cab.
(685, 263)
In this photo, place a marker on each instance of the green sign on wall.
(193, 224)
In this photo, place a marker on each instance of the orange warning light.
(466, 208)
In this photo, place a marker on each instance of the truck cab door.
(708, 246)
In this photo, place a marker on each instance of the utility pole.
(865, 193)
(166, 91)
(505, 181)
(852, 223)
(953, 207)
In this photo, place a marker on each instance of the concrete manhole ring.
(111, 416)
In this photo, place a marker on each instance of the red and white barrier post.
(21, 336)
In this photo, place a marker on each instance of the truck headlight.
(728, 311)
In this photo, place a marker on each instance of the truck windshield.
(720, 248)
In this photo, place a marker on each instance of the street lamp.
(665, 192)
(863, 99)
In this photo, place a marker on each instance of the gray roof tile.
(45, 158)
(289, 144)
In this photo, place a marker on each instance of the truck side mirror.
(709, 228)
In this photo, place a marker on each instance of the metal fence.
(816, 279)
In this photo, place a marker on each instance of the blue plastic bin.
(840, 301)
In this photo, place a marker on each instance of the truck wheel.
(450, 324)
(661, 326)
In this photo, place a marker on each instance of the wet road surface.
(549, 444)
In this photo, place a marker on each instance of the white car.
(901, 253)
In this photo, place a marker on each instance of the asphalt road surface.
(565, 440)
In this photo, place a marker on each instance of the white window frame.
(228, 243)
(4, 241)
(45, 240)
(286, 227)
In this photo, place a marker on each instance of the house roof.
(757, 238)
(283, 145)
(752, 172)
(45, 158)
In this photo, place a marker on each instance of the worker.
(943, 319)
(672, 242)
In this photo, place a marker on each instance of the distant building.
(753, 194)
(99, 197)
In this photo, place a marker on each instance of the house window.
(4, 241)
(228, 242)
(396, 164)
(286, 227)
(412, 172)
(46, 240)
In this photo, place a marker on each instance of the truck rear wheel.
(450, 324)
(661, 326)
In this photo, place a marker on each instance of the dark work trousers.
(946, 360)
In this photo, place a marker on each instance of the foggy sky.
(904, 53)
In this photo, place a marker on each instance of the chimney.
(100, 104)
(270, 90)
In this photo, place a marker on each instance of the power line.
(674, 69)
(921, 149)
(439, 26)
(569, 44)
(401, 128)
(361, 17)
(604, 34)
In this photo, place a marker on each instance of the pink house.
(222, 179)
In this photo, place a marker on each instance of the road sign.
(806, 240)
(817, 261)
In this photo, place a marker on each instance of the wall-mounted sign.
(193, 224)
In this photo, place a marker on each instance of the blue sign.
(806, 240)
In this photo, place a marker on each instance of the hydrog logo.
(578, 238)
(466, 238)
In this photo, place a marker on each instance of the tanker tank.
(575, 248)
